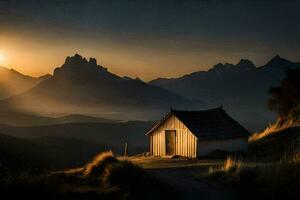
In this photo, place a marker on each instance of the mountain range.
(242, 88)
(83, 87)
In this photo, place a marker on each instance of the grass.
(276, 146)
(232, 164)
(278, 126)
(276, 181)
(228, 172)
(97, 166)
(279, 144)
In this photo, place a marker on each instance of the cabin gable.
(185, 143)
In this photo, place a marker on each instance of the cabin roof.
(209, 124)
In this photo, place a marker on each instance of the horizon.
(157, 77)
(142, 38)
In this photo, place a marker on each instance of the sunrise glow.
(2, 58)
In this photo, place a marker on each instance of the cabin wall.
(185, 141)
(231, 145)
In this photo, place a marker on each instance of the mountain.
(13, 82)
(82, 86)
(242, 88)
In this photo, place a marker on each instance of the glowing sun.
(1, 57)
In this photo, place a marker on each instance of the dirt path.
(187, 181)
(185, 177)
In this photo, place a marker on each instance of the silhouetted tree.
(285, 99)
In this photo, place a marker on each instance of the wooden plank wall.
(185, 141)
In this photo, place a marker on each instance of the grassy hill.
(276, 146)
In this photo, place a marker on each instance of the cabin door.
(170, 142)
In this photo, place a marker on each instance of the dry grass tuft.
(96, 167)
(74, 171)
(232, 164)
(273, 128)
(230, 170)
(272, 181)
(289, 158)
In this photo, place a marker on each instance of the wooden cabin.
(197, 133)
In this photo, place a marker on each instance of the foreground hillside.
(276, 146)
(271, 170)
(104, 177)
(109, 178)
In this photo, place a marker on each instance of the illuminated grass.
(272, 128)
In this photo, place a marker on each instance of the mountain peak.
(93, 61)
(218, 66)
(78, 60)
(138, 79)
(278, 61)
(79, 65)
(221, 66)
(245, 64)
(277, 57)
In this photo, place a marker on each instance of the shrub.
(96, 167)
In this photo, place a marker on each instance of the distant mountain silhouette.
(242, 88)
(13, 82)
(82, 86)
(28, 119)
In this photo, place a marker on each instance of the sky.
(146, 38)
